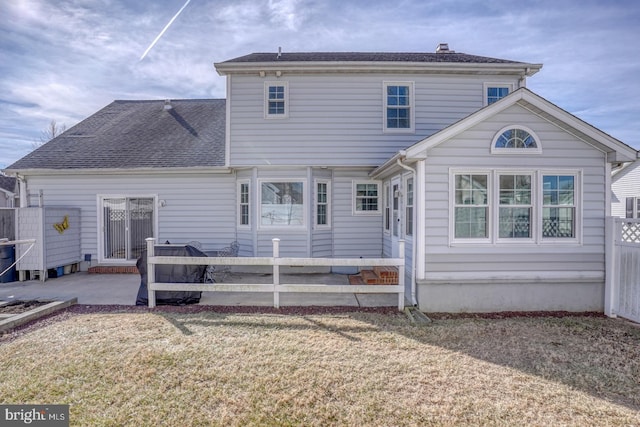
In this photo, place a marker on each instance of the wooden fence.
(275, 262)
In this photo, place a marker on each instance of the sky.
(63, 60)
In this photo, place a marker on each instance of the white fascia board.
(382, 66)
(622, 150)
(133, 171)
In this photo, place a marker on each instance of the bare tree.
(49, 133)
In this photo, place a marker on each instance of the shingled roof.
(449, 57)
(7, 183)
(138, 134)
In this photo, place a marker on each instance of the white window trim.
(537, 199)
(578, 204)
(534, 207)
(305, 204)
(452, 207)
(516, 151)
(266, 100)
(487, 85)
(412, 110)
(354, 187)
(239, 187)
(405, 181)
(315, 204)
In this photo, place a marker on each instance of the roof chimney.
(279, 51)
(167, 105)
(443, 48)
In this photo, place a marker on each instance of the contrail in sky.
(163, 31)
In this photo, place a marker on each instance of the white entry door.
(396, 216)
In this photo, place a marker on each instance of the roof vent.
(167, 105)
(443, 48)
(279, 51)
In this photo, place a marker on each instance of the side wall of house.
(337, 119)
(625, 184)
(196, 206)
(512, 275)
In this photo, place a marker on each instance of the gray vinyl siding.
(625, 184)
(198, 207)
(471, 150)
(354, 235)
(337, 120)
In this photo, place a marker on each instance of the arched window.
(516, 140)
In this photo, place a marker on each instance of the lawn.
(171, 368)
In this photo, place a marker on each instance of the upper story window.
(516, 140)
(399, 107)
(496, 91)
(276, 96)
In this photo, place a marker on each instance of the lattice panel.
(630, 232)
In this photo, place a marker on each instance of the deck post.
(401, 269)
(151, 272)
(276, 272)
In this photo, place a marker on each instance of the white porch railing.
(275, 287)
(622, 287)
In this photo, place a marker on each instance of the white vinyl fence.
(622, 290)
(275, 261)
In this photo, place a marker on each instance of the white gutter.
(416, 239)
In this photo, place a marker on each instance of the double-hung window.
(366, 198)
(559, 206)
(515, 211)
(409, 207)
(471, 206)
(499, 206)
(243, 204)
(322, 203)
(399, 113)
(276, 100)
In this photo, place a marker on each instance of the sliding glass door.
(126, 223)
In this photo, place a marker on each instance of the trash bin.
(7, 257)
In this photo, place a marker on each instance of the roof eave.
(120, 171)
(226, 68)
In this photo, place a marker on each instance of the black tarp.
(167, 273)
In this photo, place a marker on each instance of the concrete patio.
(122, 289)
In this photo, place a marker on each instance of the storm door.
(126, 223)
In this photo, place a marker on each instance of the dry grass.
(173, 369)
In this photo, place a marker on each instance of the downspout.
(22, 188)
(414, 301)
